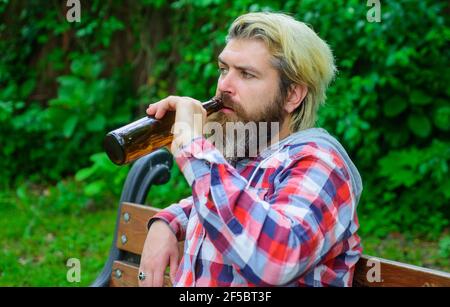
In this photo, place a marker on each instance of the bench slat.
(396, 274)
(132, 232)
(134, 227)
(125, 275)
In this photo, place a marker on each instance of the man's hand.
(189, 119)
(160, 250)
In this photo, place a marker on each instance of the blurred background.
(63, 85)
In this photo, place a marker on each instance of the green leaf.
(94, 188)
(21, 192)
(87, 67)
(84, 173)
(419, 125)
(446, 189)
(27, 88)
(6, 110)
(69, 126)
(419, 98)
(441, 118)
(96, 124)
(394, 106)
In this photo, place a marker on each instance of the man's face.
(249, 86)
(247, 78)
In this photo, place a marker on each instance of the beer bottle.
(145, 135)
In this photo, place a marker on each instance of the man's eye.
(246, 75)
(222, 70)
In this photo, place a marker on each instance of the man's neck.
(284, 132)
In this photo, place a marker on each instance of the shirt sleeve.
(176, 216)
(271, 241)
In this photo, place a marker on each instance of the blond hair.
(299, 54)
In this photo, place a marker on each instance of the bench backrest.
(369, 271)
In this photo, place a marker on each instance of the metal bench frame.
(153, 169)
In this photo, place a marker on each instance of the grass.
(36, 242)
(35, 249)
(398, 247)
(45, 226)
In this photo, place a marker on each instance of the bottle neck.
(212, 105)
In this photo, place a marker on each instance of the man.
(286, 217)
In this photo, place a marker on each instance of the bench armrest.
(153, 169)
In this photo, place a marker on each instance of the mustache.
(227, 101)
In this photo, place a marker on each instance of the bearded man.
(276, 204)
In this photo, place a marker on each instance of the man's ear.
(295, 97)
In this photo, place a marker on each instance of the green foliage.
(70, 127)
(102, 177)
(36, 244)
(388, 106)
(398, 247)
(53, 117)
(416, 189)
(64, 85)
(65, 197)
(444, 247)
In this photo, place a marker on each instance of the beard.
(245, 135)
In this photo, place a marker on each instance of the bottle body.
(139, 138)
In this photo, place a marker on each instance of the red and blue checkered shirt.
(288, 219)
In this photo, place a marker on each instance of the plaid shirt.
(286, 220)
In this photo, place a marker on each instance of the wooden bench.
(121, 269)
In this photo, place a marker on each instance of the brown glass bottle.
(145, 135)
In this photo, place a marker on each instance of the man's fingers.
(151, 109)
(160, 113)
(148, 281)
(158, 278)
(173, 267)
(160, 108)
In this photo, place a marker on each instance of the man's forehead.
(240, 52)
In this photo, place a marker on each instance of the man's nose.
(226, 84)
